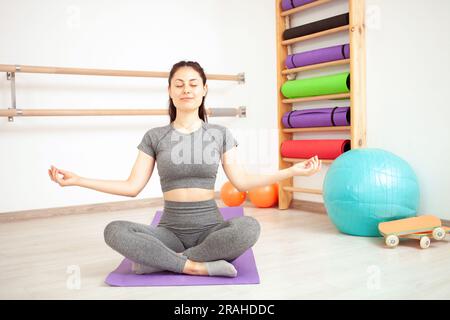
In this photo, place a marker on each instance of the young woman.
(192, 236)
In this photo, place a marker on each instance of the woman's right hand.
(306, 168)
(67, 179)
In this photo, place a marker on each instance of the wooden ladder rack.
(357, 94)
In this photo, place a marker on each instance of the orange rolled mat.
(324, 149)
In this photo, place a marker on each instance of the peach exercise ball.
(231, 196)
(264, 197)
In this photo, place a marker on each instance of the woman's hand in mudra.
(67, 179)
(306, 168)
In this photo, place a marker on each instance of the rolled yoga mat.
(330, 84)
(317, 26)
(322, 117)
(291, 4)
(322, 55)
(245, 265)
(324, 149)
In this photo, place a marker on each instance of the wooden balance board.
(421, 228)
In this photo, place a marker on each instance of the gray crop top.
(187, 160)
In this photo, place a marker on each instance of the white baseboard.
(121, 205)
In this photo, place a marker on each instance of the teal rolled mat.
(330, 84)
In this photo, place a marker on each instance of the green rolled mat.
(330, 84)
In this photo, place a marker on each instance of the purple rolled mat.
(322, 55)
(323, 117)
(291, 4)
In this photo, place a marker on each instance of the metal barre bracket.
(242, 112)
(12, 77)
(241, 77)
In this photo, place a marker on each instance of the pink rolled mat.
(324, 149)
(321, 117)
(334, 53)
(244, 264)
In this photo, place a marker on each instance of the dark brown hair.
(194, 65)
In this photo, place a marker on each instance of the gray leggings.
(197, 229)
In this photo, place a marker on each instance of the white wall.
(407, 68)
(408, 110)
(226, 37)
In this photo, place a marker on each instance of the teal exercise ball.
(364, 187)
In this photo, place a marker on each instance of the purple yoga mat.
(244, 264)
(322, 55)
(323, 117)
(290, 4)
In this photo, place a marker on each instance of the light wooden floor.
(300, 255)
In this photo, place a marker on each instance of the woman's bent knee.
(254, 228)
(112, 231)
(250, 229)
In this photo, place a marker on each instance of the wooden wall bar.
(357, 95)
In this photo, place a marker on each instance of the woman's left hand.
(306, 168)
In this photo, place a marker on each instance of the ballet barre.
(240, 77)
(212, 112)
(13, 111)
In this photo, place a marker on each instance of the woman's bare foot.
(195, 268)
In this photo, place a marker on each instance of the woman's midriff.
(189, 194)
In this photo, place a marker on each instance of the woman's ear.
(205, 90)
